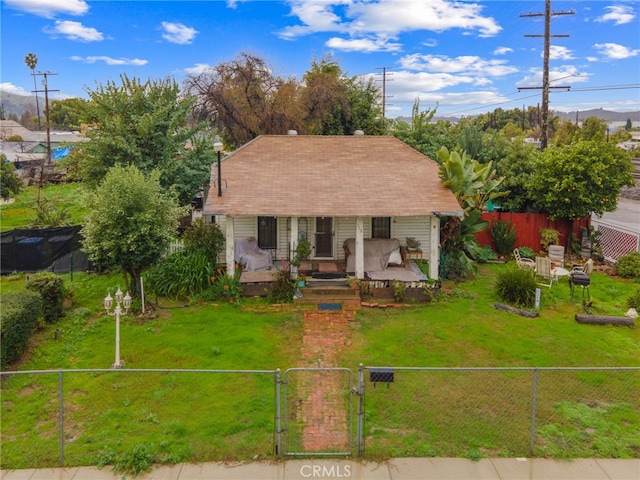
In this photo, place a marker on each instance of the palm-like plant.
(31, 60)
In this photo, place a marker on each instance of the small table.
(560, 272)
(412, 255)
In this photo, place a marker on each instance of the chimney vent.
(358, 133)
(292, 132)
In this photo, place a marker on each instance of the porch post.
(359, 253)
(434, 247)
(293, 241)
(231, 259)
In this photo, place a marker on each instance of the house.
(329, 188)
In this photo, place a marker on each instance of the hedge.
(20, 314)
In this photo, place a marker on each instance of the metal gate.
(318, 411)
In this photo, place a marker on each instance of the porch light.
(217, 147)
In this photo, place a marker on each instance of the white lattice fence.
(615, 241)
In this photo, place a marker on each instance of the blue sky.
(467, 57)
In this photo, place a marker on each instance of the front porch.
(324, 282)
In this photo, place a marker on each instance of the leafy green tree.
(516, 167)
(566, 132)
(424, 135)
(574, 181)
(145, 124)
(594, 128)
(130, 223)
(10, 183)
(70, 113)
(628, 125)
(204, 237)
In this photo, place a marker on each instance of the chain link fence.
(64, 417)
(503, 412)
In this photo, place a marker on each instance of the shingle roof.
(305, 175)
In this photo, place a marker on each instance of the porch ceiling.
(329, 176)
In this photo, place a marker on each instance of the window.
(268, 232)
(381, 227)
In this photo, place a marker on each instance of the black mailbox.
(383, 375)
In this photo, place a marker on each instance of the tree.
(516, 167)
(243, 99)
(10, 183)
(130, 223)
(574, 181)
(628, 125)
(70, 113)
(32, 61)
(146, 125)
(594, 128)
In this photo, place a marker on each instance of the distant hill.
(16, 104)
(608, 115)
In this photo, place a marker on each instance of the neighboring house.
(329, 188)
(34, 144)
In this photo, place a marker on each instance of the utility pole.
(384, 89)
(544, 137)
(46, 111)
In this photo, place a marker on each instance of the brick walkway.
(323, 395)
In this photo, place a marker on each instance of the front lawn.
(117, 416)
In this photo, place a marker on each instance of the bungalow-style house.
(278, 188)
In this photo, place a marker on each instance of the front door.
(324, 237)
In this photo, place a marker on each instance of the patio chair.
(544, 273)
(556, 254)
(523, 262)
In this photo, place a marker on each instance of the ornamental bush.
(517, 287)
(180, 274)
(628, 265)
(51, 287)
(20, 314)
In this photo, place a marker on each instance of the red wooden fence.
(528, 226)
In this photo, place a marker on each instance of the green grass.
(21, 213)
(125, 418)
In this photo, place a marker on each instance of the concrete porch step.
(346, 296)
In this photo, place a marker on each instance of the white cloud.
(178, 33)
(198, 69)
(432, 42)
(109, 60)
(557, 52)
(49, 8)
(374, 23)
(75, 31)
(502, 50)
(615, 51)
(466, 64)
(618, 14)
(564, 75)
(9, 87)
(363, 45)
(592, 59)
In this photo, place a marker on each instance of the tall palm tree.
(31, 60)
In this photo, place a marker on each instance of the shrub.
(181, 274)
(20, 314)
(549, 236)
(51, 287)
(517, 287)
(504, 236)
(527, 252)
(204, 237)
(10, 183)
(633, 301)
(629, 265)
(484, 254)
(283, 288)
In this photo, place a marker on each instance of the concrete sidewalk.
(396, 469)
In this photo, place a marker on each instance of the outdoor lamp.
(123, 303)
(217, 147)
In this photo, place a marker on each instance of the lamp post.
(126, 303)
(217, 147)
